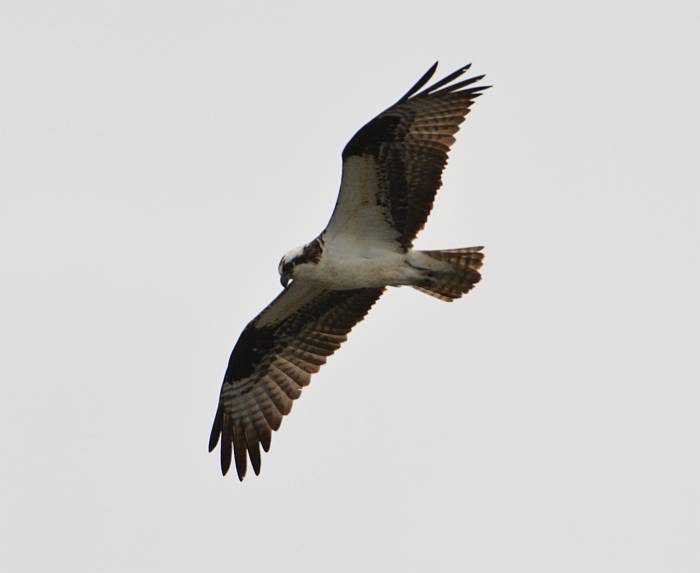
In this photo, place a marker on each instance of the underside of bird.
(392, 170)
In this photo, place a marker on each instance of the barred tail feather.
(465, 274)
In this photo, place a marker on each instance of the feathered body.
(392, 169)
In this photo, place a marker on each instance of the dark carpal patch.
(312, 252)
(371, 136)
(252, 346)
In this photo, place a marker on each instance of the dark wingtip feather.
(467, 82)
(265, 439)
(251, 439)
(444, 81)
(254, 453)
(456, 88)
(420, 83)
(226, 446)
(215, 429)
(476, 92)
(239, 452)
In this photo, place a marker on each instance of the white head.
(287, 264)
(300, 256)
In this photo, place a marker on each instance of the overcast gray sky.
(157, 160)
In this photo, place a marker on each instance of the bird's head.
(297, 260)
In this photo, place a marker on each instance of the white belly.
(345, 266)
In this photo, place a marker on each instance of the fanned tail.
(465, 265)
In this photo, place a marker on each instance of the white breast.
(348, 264)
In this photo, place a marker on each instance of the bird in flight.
(392, 169)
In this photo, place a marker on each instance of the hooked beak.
(284, 279)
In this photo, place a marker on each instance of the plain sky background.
(158, 158)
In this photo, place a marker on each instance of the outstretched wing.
(392, 167)
(274, 358)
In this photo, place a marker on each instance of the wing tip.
(225, 460)
(424, 79)
(216, 429)
(445, 85)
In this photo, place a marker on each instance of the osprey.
(392, 168)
